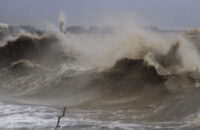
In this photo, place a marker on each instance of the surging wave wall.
(123, 67)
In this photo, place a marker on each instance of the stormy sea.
(123, 78)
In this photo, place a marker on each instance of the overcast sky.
(162, 13)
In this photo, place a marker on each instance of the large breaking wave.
(134, 67)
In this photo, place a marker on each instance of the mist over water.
(129, 78)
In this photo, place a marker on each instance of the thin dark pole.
(59, 117)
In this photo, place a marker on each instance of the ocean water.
(127, 80)
(29, 117)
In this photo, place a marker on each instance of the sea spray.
(62, 22)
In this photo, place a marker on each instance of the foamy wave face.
(130, 57)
